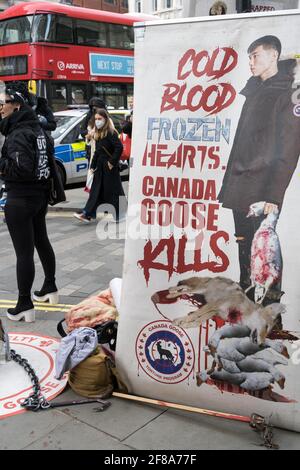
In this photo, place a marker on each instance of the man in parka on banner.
(265, 150)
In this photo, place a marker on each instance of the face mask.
(99, 124)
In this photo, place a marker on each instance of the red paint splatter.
(234, 316)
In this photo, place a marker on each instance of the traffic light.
(243, 6)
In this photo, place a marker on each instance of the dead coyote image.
(224, 298)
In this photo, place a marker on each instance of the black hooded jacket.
(23, 166)
(266, 146)
(94, 102)
(43, 109)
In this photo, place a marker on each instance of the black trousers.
(26, 222)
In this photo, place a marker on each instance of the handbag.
(126, 141)
(89, 181)
(56, 191)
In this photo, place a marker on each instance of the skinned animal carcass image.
(244, 351)
(266, 258)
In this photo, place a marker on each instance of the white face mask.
(99, 124)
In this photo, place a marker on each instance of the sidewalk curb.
(64, 209)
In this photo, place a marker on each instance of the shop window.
(168, 4)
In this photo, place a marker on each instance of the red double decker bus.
(68, 54)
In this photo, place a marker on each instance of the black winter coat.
(44, 110)
(19, 162)
(127, 128)
(107, 185)
(266, 147)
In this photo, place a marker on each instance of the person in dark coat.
(127, 126)
(24, 166)
(107, 186)
(94, 104)
(265, 150)
(45, 115)
(38, 104)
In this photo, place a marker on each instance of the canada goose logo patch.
(165, 352)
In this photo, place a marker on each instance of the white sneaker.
(82, 217)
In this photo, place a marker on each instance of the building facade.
(167, 9)
(117, 6)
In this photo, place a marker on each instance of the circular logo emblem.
(40, 351)
(61, 65)
(165, 352)
(297, 110)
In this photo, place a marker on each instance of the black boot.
(23, 310)
(48, 293)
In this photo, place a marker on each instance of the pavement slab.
(20, 431)
(134, 416)
(65, 438)
(176, 430)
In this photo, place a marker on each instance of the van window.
(73, 135)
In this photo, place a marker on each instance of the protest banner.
(210, 297)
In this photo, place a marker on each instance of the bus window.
(64, 30)
(91, 33)
(79, 94)
(58, 96)
(41, 28)
(53, 28)
(112, 94)
(15, 30)
(121, 36)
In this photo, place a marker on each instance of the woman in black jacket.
(25, 169)
(107, 186)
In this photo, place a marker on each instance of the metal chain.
(259, 424)
(36, 401)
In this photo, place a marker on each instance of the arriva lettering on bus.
(75, 66)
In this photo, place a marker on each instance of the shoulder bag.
(56, 191)
(122, 164)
